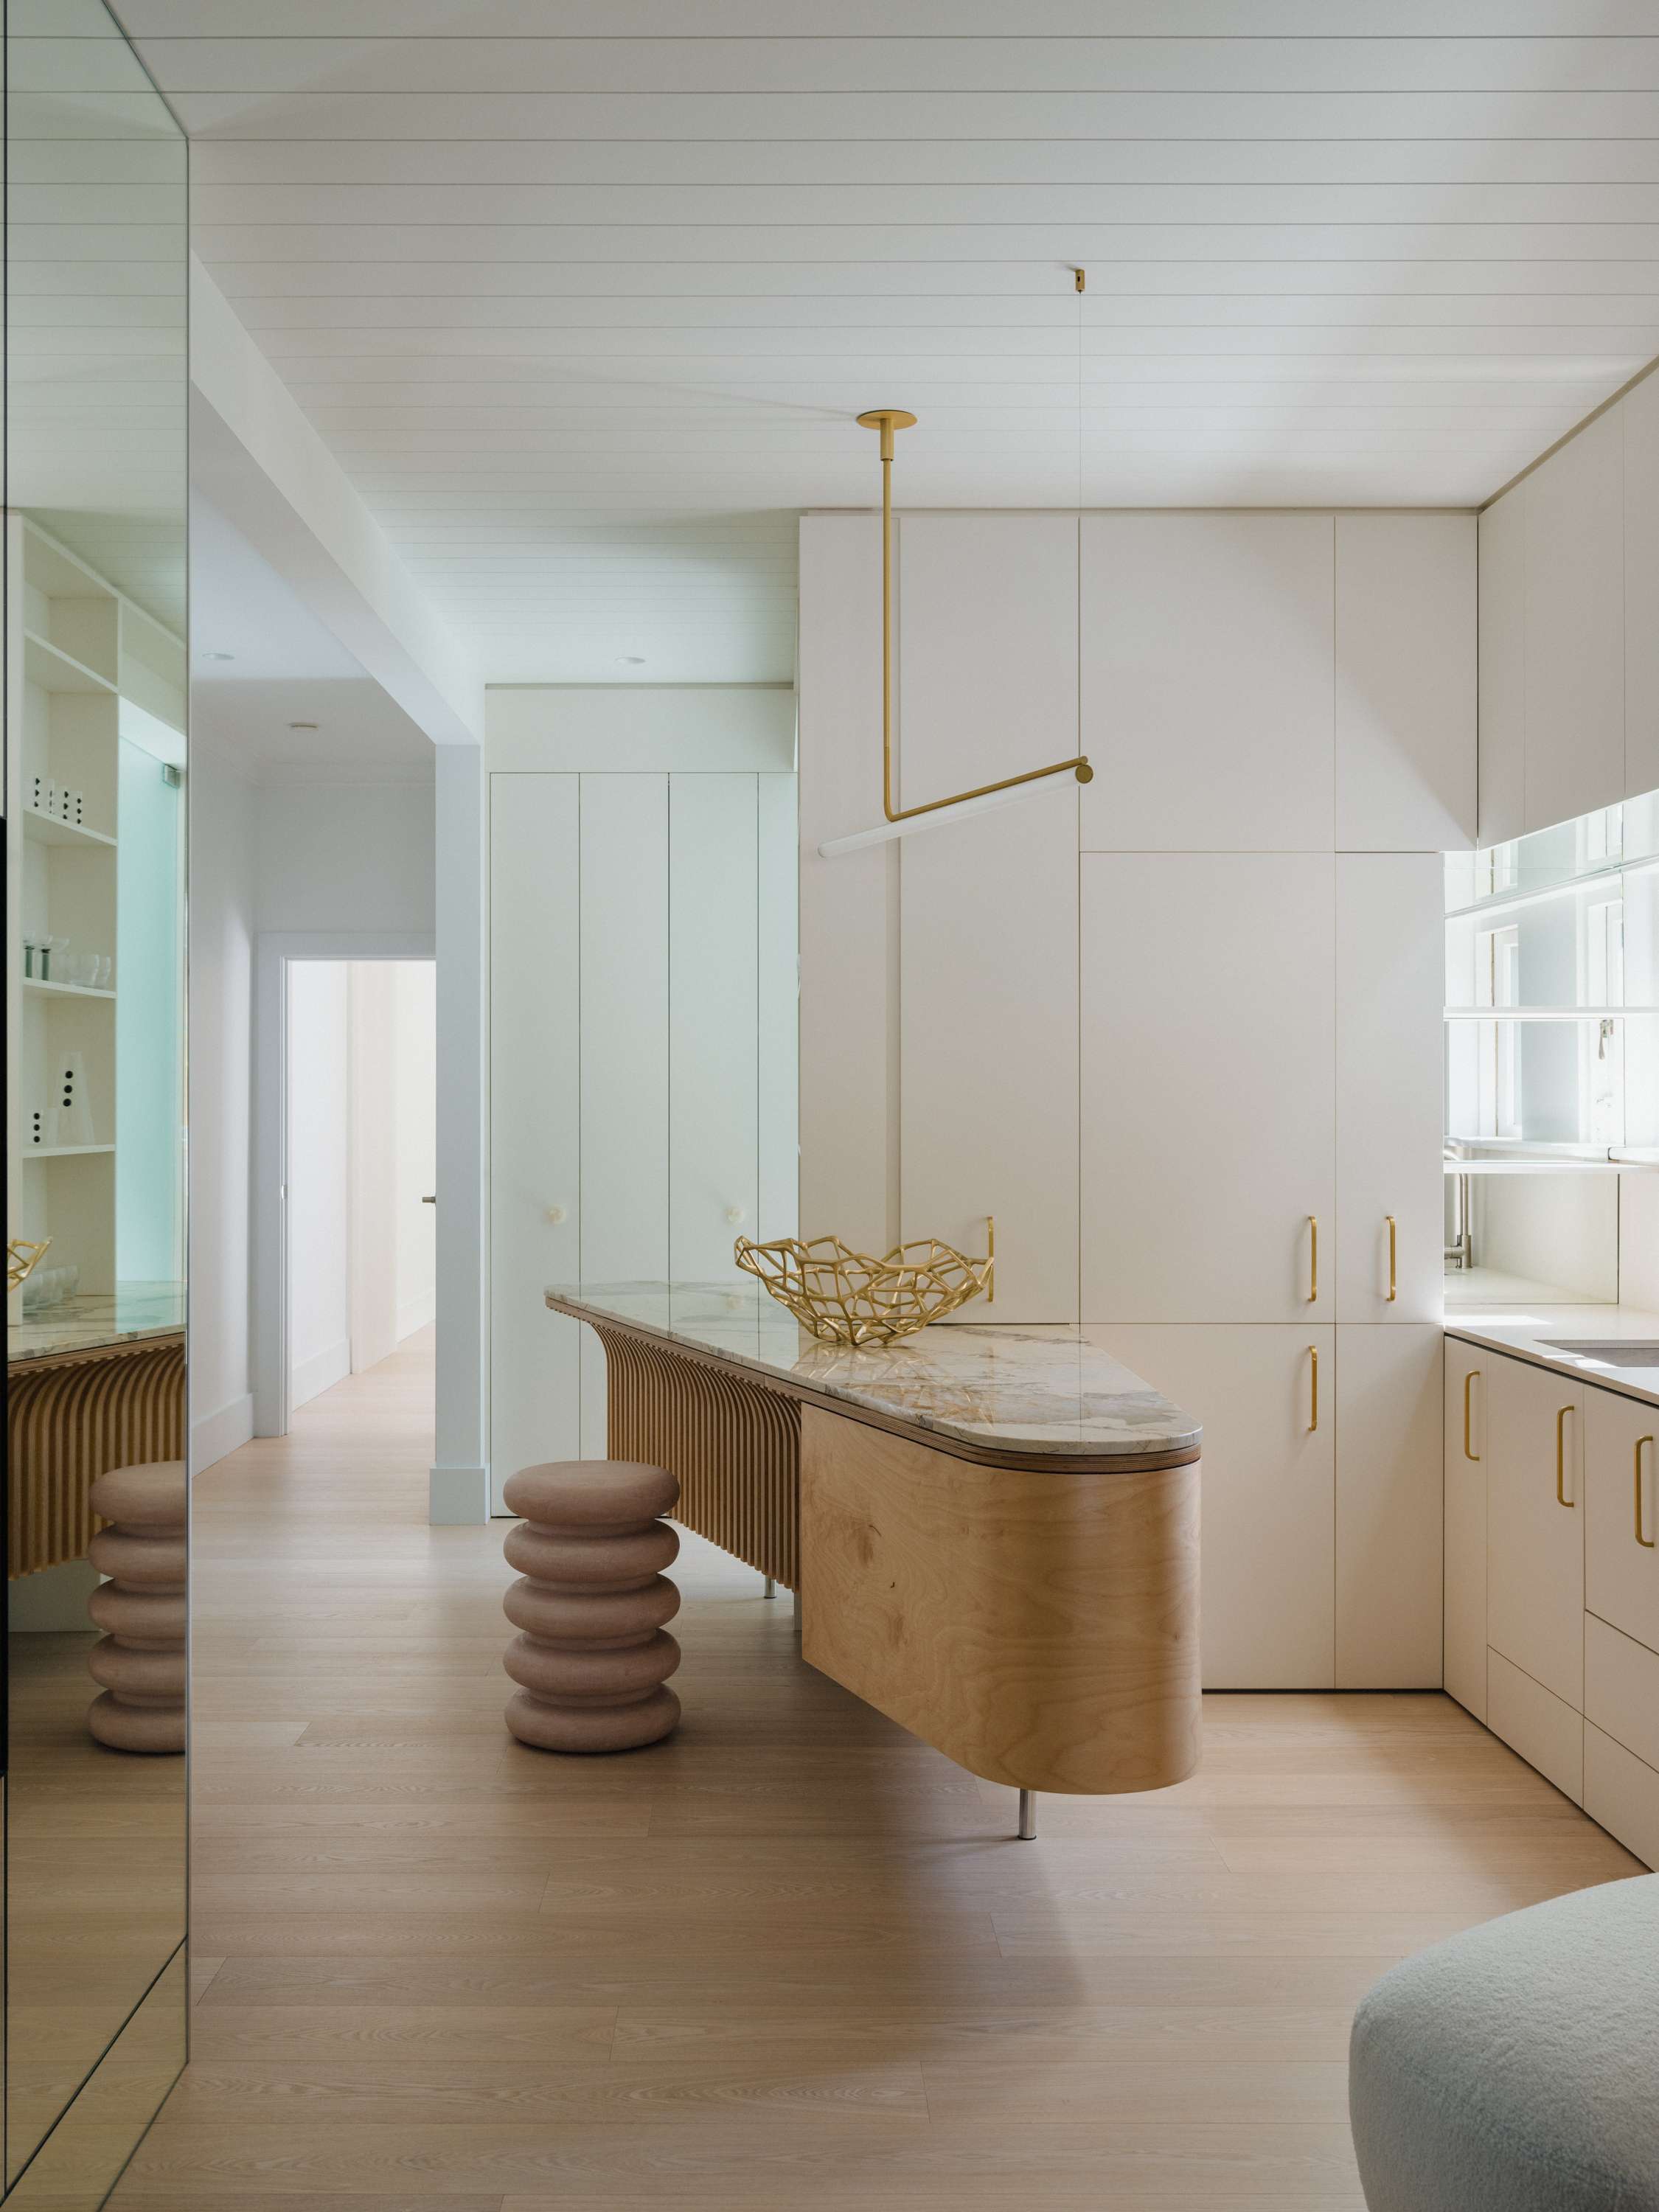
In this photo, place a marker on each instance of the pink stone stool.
(142, 1608)
(594, 1657)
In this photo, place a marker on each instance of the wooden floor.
(791, 1960)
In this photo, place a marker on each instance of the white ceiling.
(585, 308)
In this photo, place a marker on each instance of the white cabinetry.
(1640, 409)
(1386, 1413)
(1269, 1504)
(1465, 1644)
(1574, 659)
(1503, 715)
(1621, 1519)
(1390, 974)
(1536, 1525)
(1207, 686)
(1208, 1085)
(1405, 682)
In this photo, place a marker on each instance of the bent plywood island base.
(993, 1532)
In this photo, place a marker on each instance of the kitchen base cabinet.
(1622, 1792)
(1621, 1689)
(1465, 1633)
(1389, 1510)
(1621, 1515)
(1547, 1733)
(1536, 1527)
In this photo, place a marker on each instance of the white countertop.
(1036, 1390)
(1525, 1333)
(94, 1322)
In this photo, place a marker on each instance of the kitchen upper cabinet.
(534, 1119)
(1390, 964)
(1208, 1083)
(1621, 1518)
(1465, 1449)
(1574, 647)
(1502, 717)
(1640, 409)
(1207, 689)
(1534, 1439)
(1405, 682)
(1390, 1508)
(1267, 1400)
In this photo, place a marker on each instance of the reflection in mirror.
(95, 699)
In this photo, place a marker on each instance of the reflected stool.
(594, 1658)
(142, 1608)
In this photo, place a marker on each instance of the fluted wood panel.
(735, 1446)
(69, 1421)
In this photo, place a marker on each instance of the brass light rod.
(887, 420)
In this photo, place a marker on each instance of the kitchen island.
(992, 1531)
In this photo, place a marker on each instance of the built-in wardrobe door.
(1208, 1087)
(1207, 682)
(988, 935)
(624, 1051)
(534, 1119)
(1267, 1399)
(1390, 970)
(714, 1105)
(1405, 682)
(1390, 1508)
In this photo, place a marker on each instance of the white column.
(459, 1489)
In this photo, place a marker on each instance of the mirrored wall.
(95, 697)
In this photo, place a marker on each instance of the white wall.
(352, 857)
(319, 1095)
(222, 926)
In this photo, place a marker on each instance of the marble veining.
(97, 1323)
(1038, 1390)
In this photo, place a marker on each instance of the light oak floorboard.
(790, 1960)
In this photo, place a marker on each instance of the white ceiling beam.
(257, 459)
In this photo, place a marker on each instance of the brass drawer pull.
(1468, 1385)
(1394, 1258)
(1313, 1356)
(1313, 1259)
(1647, 1543)
(1561, 1498)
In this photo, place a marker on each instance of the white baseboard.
(419, 1312)
(457, 1496)
(323, 1369)
(217, 1434)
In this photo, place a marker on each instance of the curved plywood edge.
(71, 1418)
(1043, 1635)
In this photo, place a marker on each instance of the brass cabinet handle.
(1647, 1543)
(1394, 1258)
(1468, 1385)
(1313, 1356)
(1313, 1259)
(1561, 1498)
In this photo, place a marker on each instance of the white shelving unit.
(87, 652)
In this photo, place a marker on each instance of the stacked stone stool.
(142, 1608)
(593, 1659)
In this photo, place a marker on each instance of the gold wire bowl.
(850, 1297)
(22, 1258)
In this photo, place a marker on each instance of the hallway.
(789, 1959)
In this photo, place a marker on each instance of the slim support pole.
(1027, 1816)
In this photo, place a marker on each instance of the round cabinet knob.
(735, 1215)
(555, 1214)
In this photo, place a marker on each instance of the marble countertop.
(97, 1323)
(1037, 1390)
(1527, 1333)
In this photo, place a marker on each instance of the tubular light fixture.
(900, 821)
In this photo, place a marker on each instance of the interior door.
(1536, 1525)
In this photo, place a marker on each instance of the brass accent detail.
(734, 1445)
(1648, 1543)
(1313, 1259)
(1079, 280)
(1394, 1258)
(1469, 1384)
(71, 1420)
(1312, 1370)
(990, 1259)
(844, 1297)
(887, 420)
(1561, 1498)
(22, 1258)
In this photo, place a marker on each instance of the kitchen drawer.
(1621, 1558)
(1622, 1792)
(1547, 1734)
(1622, 1689)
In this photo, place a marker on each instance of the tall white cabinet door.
(1405, 682)
(624, 1050)
(1503, 716)
(779, 985)
(1536, 1525)
(1575, 643)
(1208, 1087)
(1640, 409)
(1269, 1500)
(1390, 1508)
(534, 1119)
(987, 674)
(1390, 968)
(712, 1034)
(988, 950)
(1208, 690)
(1465, 1447)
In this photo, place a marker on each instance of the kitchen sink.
(1628, 1352)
